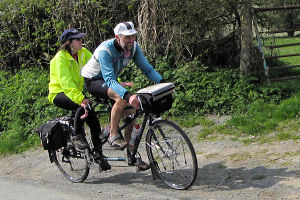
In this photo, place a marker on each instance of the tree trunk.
(246, 61)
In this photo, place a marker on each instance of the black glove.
(162, 81)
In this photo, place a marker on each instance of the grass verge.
(263, 122)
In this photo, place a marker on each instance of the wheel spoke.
(172, 154)
(158, 152)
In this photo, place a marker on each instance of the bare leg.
(116, 111)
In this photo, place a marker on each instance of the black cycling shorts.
(96, 87)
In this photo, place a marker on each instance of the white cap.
(125, 28)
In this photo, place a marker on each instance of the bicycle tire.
(171, 154)
(71, 162)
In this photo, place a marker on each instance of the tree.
(177, 30)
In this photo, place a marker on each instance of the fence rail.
(284, 78)
(281, 31)
(282, 56)
(283, 67)
(283, 45)
(257, 10)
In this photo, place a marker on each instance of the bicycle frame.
(131, 155)
(160, 148)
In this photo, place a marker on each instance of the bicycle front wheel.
(171, 154)
(72, 163)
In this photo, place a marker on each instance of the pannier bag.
(157, 98)
(53, 134)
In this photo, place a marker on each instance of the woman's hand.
(84, 104)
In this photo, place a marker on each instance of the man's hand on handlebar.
(134, 102)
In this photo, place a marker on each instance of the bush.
(201, 89)
(28, 36)
(23, 107)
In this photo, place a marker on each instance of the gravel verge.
(227, 170)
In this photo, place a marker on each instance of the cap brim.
(129, 32)
(79, 35)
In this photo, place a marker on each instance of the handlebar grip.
(77, 124)
(82, 113)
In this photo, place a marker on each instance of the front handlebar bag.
(157, 99)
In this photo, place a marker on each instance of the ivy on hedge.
(23, 105)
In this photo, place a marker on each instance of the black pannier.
(157, 98)
(53, 134)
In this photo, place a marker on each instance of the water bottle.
(105, 132)
(135, 132)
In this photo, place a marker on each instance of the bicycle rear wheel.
(171, 154)
(72, 162)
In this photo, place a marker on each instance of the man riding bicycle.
(102, 70)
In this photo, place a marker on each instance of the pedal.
(138, 162)
(118, 148)
(141, 166)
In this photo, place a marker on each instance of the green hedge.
(222, 91)
(199, 90)
(30, 29)
(202, 90)
(23, 107)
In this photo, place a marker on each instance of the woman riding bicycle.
(66, 88)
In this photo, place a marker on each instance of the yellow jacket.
(65, 75)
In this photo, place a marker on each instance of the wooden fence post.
(246, 61)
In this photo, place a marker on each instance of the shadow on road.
(128, 178)
(215, 176)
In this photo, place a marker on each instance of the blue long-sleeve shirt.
(108, 61)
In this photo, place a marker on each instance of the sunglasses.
(78, 39)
